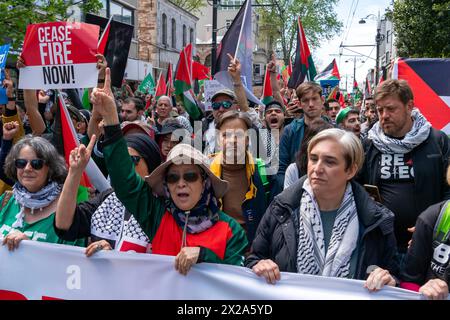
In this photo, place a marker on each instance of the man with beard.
(348, 119)
(405, 158)
(270, 135)
(333, 109)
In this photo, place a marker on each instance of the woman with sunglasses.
(177, 207)
(104, 218)
(38, 172)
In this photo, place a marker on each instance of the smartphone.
(373, 191)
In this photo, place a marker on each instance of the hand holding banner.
(59, 55)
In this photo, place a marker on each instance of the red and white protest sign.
(59, 55)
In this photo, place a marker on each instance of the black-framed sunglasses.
(135, 159)
(223, 104)
(190, 176)
(36, 164)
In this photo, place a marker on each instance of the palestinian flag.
(334, 93)
(367, 89)
(147, 86)
(114, 44)
(199, 71)
(92, 177)
(161, 87)
(238, 41)
(303, 65)
(331, 72)
(429, 80)
(183, 83)
(267, 89)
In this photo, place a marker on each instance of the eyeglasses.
(36, 164)
(223, 104)
(135, 159)
(190, 176)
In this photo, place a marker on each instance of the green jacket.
(225, 242)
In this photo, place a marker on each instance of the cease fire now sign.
(59, 55)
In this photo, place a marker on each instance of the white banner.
(48, 271)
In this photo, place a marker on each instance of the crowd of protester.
(300, 185)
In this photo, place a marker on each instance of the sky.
(352, 33)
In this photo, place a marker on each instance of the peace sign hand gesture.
(79, 157)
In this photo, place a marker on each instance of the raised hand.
(101, 65)
(103, 101)
(10, 129)
(234, 69)
(79, 157)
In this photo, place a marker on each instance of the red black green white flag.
(267, 89)
(303, 63)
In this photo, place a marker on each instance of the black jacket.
(430, 161)
(277, 235)
(420, 265)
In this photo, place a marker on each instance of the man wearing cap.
(225, 100)
(171, 134)
(348, 119)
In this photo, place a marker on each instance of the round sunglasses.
(190, 176)
(36, 164)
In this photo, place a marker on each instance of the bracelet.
(11, 98)
(237, 84)
(101, 81)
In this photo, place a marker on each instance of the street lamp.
(378, 39)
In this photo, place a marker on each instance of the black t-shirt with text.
(396, 184)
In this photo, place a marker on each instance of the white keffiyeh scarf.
(311, 257)
(418, 134)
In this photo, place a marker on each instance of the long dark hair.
(301, 158)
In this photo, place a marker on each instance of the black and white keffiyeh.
(34, 200)
(311, 257)
(418, 134)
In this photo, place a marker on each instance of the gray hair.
(165, 97)
(57, 170)
(350, 143)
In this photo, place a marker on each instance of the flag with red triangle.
(267, 95)
(331, 72)
(161, 87)
(303, 65)
(199, 71)
(183, 83)
(429, 80)
(92, 176)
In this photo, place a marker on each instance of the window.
(191, 35)
(121, 13)
(230, 4)
(257, 69)
(174, 33)
(104, 10)
(164, 29)
(184, 35)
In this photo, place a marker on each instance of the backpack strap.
(6, 198)
(442, 227)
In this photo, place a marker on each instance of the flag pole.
(242, 28)
(104, 30)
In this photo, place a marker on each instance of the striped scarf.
(311, 257)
